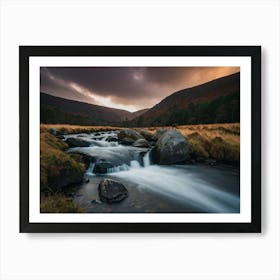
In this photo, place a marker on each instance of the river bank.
(195, 185)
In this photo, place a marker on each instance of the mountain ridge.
(197, 94)
(57, 109)
(212, 94)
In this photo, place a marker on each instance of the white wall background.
(139, 256)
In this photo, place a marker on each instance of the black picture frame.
(254, 52)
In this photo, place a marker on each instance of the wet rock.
(102, 166)
(159, 133)
(82, 158)
(146, 134)
(112, 139)
(76, 142)
(127, 141)
(54, 132)
(200, 159)
(211, 162)
(111, 191)
(61, 137)
(128, 136)
(141, 143)
(97, 201)
(172, 147)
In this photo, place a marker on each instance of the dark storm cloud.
(51, 83)
(129, 88)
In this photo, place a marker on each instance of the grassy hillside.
(225, 109)
(55, 164)
(60, 110)
(216, 101)
(57, 170)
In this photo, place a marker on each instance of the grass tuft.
(72, 129)
(58, 203)
(56, 167)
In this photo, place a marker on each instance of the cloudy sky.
(128, 88)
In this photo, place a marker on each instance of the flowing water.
(155, 188)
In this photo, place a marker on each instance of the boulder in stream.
(146, 134)
(129, 136)
(54, 132)
(158, 133)
(82, 135)
(172, 147)
(126, 141)
(141, 143)
(111, 191)
(77, 142)
(61, 137)
(102, 166)
(112, 139)
(82, 158)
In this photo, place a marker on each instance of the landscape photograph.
(140, 139)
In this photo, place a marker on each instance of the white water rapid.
(208, 189)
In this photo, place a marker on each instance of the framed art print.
(140, 138)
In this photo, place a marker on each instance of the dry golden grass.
(69, 129)
(218, 141)
(58, 203)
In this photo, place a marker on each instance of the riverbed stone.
(54, 132)
(102, 166)
(77, 142)
(129, 136)
(82, 135)
(82, 158)
(112, 139)
(126, 141)
(211, 162)
(172, 147)
(61, 137)
(111, 191)
(159, 133)
(97, 201)
(141, 143)
(146, 134)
